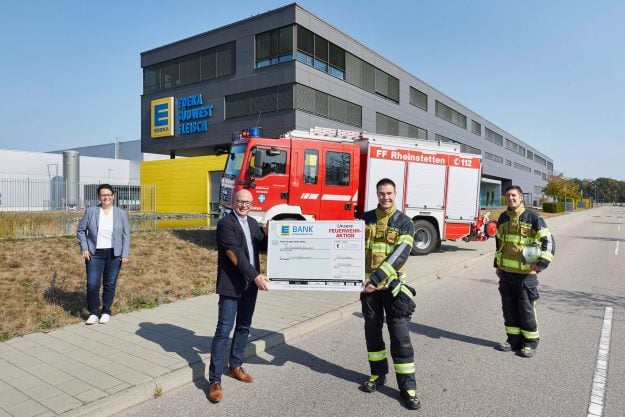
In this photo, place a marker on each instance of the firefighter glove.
(403, 306)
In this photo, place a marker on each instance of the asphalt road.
(454, 331)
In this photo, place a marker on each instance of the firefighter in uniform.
(524, 248)
(389, 236)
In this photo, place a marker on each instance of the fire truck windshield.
(235, 160)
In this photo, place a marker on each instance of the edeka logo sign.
(162, 117)
(193, 114)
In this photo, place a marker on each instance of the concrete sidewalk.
(99, 370)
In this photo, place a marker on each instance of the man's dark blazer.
(234, 270)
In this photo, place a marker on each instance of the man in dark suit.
(239, 240)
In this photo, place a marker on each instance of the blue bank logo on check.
(284, 230)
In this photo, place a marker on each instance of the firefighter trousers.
(519, 293)
(375, 306)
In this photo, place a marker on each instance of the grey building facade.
(288, 69)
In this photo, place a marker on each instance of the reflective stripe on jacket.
(388, 242)
(515, 230)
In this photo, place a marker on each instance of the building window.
(151, 79)
(311, 166)
(452, 116)
(269, 162)
(419, 99)
(493, 136)
(476, 128)
(508, 162)
(537, 172)
(337, 168)
(550, 167)
(470, 149)
(538, 189)
(170, 76)
(274, 46)
(258, 102)
(522, 167)
(204, 65)
(493, 157)
(530, 155)
(515, 147)
(540, 160)
(316, 102)
(317, 52)
(337, 61)
(463, 147)
(190, 69)
(389, 126)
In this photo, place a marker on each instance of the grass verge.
(42, 281)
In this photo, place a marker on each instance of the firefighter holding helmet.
(388, 241)
(525, 247)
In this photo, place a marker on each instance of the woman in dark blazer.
(104, 239)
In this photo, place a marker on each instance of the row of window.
(499, 159)
(292, 96)
(542, 161)
(476, 128)
(515, 147)
(205, 65)
(447, 113)
(522, 167)
(418, 98)
(493, 136)
(278, 45)
(463, 146)
(493, 157)
(387, 125)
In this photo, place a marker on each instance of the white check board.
(316, 255)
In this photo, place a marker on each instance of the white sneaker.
(105, 318)
(92, 319)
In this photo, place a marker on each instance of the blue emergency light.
(252, 132)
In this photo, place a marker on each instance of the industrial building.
(288, 69)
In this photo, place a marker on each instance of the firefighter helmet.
(530, 254)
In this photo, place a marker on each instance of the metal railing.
(56, 195)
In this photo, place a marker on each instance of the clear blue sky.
(552, 72)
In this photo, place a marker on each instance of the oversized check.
(316, 255)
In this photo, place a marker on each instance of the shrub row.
(553, 207)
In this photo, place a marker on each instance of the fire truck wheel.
(425, 238)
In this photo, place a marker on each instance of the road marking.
(616, 248)
(599, 381)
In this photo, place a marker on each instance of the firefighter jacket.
(519, 228)
(388, 242)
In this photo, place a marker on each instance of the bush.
(553, 207)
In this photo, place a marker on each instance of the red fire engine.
(330, 174)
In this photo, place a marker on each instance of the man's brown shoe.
(214, 392)
(240, 374)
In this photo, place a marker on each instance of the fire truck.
(330, 174)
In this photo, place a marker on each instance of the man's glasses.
(244, 203)
(106, 195)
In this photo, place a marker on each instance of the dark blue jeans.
(231, 310)
(102, 269)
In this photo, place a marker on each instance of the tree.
(603, 189)
(560, 187)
